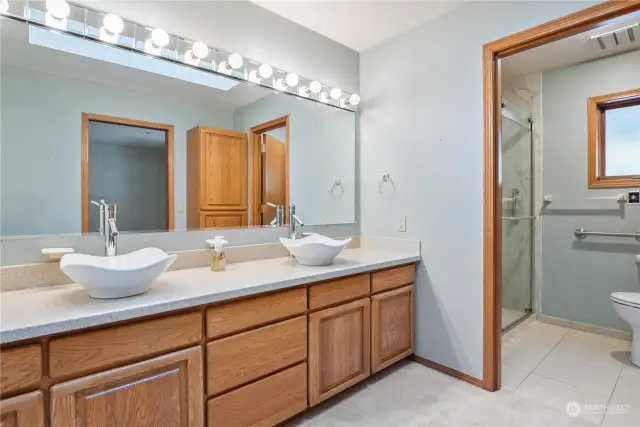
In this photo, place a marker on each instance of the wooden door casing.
(26, 410)
(392, 327)
(163, 392)
(339, 349)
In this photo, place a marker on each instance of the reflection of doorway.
(128, 163)
(269, 169)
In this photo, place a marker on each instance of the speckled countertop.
(38, 312)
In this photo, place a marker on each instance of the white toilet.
(627, 305)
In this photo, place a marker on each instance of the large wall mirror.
(173, 147)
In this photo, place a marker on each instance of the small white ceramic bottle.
(218, 257)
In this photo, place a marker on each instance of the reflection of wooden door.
(161, 392)
(339, 349)
(223, 219)
(217, 177)
(274, 187)
(26, 410)
(224, 177)
(391, 327)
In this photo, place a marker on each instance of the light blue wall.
(41, 133)
(321, 149)
(421, 121)
(132, 178)
(579, 276)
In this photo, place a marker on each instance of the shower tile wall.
(525, 93)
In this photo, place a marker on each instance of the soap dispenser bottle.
(218, 257)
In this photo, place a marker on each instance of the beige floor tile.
(557, 395)
(512, 377)
(620, 414)
(592, 349)
(579, 372)
(627, 389)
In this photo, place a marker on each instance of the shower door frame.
(561, 28)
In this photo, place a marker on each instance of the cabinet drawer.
(91, 351)
(236, 316)
(264, 403)
(393, 278)
(336, 291)
(20, 368)
(242, 358)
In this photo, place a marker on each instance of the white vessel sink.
(117, 276)
(315, 249)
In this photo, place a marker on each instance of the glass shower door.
(517, 216)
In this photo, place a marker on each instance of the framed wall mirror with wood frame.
(174, 147)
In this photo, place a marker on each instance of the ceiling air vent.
(618, 38)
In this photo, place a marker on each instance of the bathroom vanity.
(219, 349)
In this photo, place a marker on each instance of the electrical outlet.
(402, 224)
(327, 219)
(180, 209)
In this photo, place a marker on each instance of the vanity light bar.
(110, 28)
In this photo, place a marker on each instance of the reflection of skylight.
(623, 141)
(90, 49)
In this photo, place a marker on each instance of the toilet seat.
(631, 299)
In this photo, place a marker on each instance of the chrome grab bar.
(581, 233)
(517, 218)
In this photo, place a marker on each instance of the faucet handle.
(102, 210)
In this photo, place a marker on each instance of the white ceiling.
(572, 50)
(359, 24)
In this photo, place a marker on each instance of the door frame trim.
(564, 27)
(254, 161)
(86, 118)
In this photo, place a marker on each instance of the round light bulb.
(4, 6)
(200, 50)
(160, 37)
(190, 58)
(59, 9)
(113, 23)
(235, 61)
(291, 80)
(354, 99)
(335, 93)
(315, 86)
(265, 71)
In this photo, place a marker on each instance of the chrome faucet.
(278, 220)
(293, 219)
(108, 227)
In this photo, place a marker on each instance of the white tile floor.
(545, 367)
(509, 316)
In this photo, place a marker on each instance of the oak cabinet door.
(339, 349)
(392, 327)
(163, 392)
(26, 410)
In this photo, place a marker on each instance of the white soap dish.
(56, 253)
